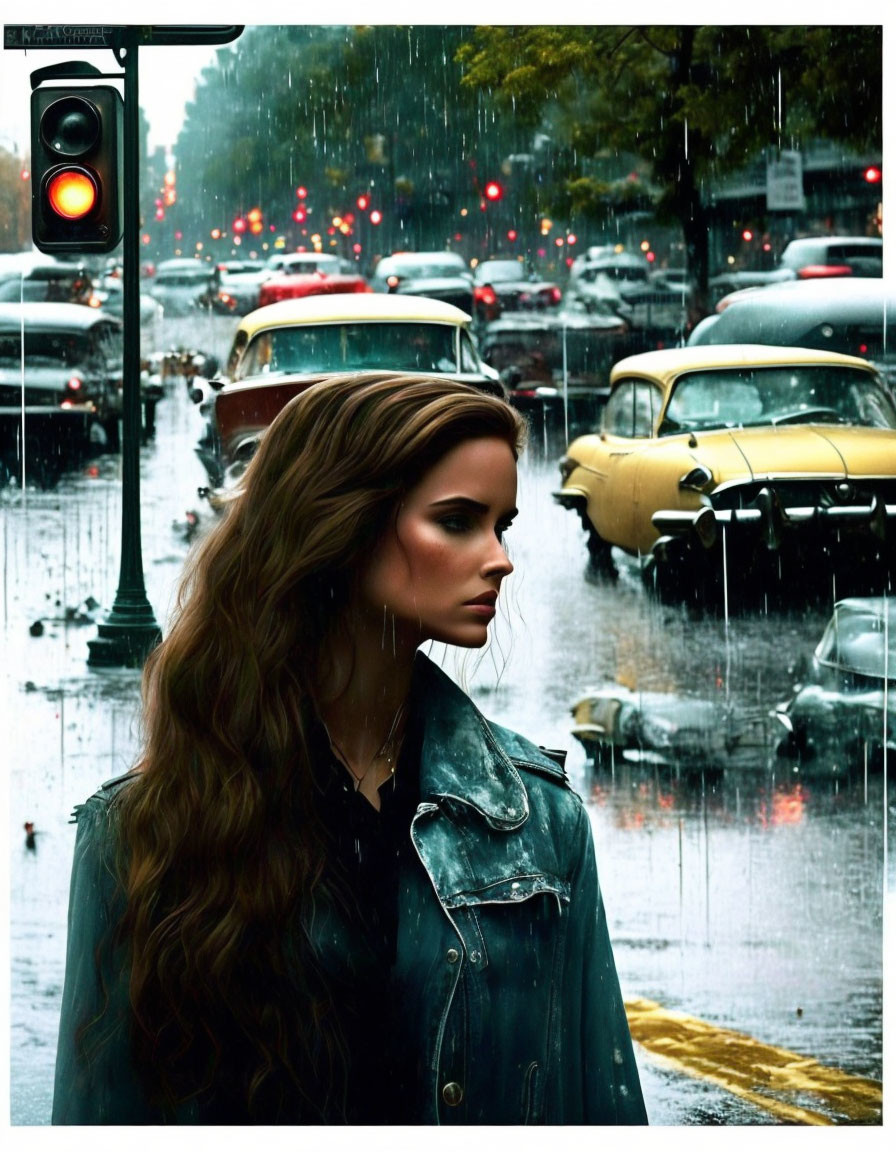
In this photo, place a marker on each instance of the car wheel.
(600, 554)
(42, 466)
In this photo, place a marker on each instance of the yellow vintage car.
(734, 460)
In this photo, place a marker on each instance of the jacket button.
(452, 955)
(452, 1094)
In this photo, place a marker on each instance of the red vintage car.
(299, 274)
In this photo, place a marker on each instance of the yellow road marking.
(794, 1088)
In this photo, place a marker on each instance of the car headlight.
(697, 480)
(567, 466)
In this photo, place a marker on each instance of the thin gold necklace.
(387, 751)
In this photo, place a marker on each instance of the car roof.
(38, 314)
(351, 307)
(813, 241)
(795, 306)
(421, 258)
(510, 323)
(668, 363)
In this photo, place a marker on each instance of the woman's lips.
(483, 605)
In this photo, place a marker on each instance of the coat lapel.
(460, 757)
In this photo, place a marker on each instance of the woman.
(330, 892)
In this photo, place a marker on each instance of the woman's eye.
(457, 523)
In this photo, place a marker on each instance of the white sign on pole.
(784, 183)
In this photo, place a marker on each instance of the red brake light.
(818, 271)
(74, 384)
(485, 294)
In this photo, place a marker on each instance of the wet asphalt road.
(751, 897)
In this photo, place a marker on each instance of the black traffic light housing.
(77, 132)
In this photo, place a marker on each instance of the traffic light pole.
(130, 630)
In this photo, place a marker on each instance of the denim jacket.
(503, 961)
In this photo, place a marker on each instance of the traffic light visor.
(70, 126)
(72, 193)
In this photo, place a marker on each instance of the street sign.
(58, 36)
(784, 183)
(61, 36)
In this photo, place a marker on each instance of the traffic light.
(76, 167)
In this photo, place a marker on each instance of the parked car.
(439, 275)
(839, 714)
(506, 286)
(812, 257)
(241, 282)
(301, 263)
(184, 286)
(659, 729)
(621, 282)
(281, 349)
(70, 361)
(109, 295)
(556, 366)
(855, 317)
(737, 461)
(45, 280)
(288, 285)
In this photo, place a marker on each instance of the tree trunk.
(686, 198)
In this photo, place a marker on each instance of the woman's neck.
(362, 702)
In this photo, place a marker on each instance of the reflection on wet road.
(746, 894)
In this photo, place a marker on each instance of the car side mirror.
(511, 375)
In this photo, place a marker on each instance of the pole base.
(123, 645)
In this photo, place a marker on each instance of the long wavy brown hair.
(222, 850)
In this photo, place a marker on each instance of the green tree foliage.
(15, 204)
(340, 111)
(690, 103)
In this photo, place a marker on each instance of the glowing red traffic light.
(239, 225)
(362, 202)
(873, 174)
(376, 216)
(493, 190)
(72, 193)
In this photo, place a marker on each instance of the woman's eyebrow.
(468, 502)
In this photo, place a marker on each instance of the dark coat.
(504, 966)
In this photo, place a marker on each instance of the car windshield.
(752, 397)
(431, 271)
(184, 277)
(612, 272)
(47, 348)
(860, 639)
(497, 271)
(341, 347)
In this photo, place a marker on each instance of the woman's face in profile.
(437, 572)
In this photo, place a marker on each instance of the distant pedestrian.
(30, 836)
(331, 892)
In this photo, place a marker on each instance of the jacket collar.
(460, 756)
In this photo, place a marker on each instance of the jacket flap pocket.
(514, 889)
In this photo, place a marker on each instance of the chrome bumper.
(770, 518)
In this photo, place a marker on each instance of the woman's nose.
(497, 562)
